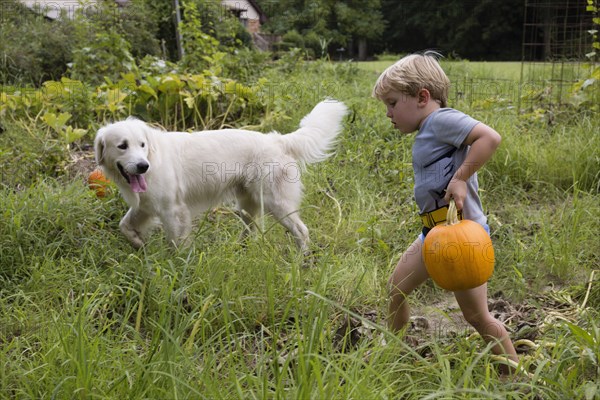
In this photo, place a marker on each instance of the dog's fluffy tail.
(315, 139)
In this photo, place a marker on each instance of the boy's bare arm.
(483, 141)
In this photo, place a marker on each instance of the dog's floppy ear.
(99, 146)
(150, 134)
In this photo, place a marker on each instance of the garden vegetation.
(83, 315)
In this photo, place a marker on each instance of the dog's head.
(123, 152)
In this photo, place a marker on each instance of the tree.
(339, 24)
(484, 29)
(472, 29)
(360, 21)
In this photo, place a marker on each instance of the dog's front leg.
(299, 231)
(178, 226)
(134, 225)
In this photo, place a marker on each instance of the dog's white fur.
(172, 177)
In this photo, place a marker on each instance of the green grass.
(511, 70)
(83, 315)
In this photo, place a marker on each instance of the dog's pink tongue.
(137, 183)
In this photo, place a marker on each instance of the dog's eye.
(123, 146)
(143, 144)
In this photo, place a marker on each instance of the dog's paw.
(136, 243)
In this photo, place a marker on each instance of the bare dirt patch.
(442, 320)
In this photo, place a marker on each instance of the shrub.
(315, 45)
(205, 43)
(201, 50)
(104, 55)
(32, 49)
(139, 26)
(101, 51)
(246, 65)
(99, 40)
(291, 39)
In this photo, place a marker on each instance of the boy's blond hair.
(411, 74)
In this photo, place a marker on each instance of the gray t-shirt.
(438, 151)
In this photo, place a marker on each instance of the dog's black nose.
(142, 167)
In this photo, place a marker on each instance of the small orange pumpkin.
(458, 255)
(98, 182)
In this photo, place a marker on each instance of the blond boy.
(449, 148)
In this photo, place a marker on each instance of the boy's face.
(403, 110)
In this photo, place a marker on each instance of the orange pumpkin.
(458, 255)
(98, 182)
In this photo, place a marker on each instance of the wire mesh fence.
(556, 58)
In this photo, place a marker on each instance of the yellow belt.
(437, 217)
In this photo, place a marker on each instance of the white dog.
(172, 177)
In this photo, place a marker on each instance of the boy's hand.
(457, 190)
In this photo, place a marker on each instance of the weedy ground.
(83, 315)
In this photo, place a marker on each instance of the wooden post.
(178, 37)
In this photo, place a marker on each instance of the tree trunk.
(362, 49)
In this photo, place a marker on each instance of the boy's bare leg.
(473, 303)
(410, 272)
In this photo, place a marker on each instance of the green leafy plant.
(585, 94)
(105, 56)
(201, 49)
(58, 123)
(182, 101)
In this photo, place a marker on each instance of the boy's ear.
(424, 96)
